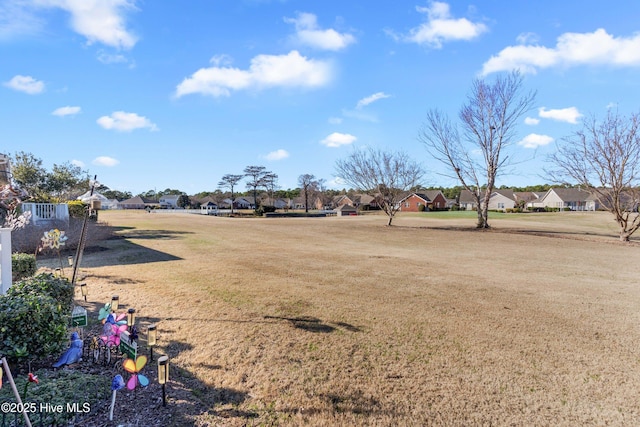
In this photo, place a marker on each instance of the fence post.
(5, 260)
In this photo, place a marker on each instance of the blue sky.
(167, 94)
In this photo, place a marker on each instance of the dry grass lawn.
(344, 321)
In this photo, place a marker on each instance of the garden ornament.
(73, 353)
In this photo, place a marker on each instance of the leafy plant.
(23, 265)
(58, 288)
(32, 326)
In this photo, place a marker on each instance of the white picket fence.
(5, 260)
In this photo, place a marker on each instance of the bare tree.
(230, 181)
(270, 183)
(255, 175)
(308, 184)
(478, 153)
(605, 158)
(384, 174)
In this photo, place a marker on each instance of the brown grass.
(343, 321)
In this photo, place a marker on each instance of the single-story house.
(238, 203)
(574, 199)
(530, 199)
(138, 202)
(467, 201)
(501, 200)
(431, 200)
(346, 210)
(169, 201)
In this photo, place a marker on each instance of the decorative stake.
(116, 384)
(15, 392)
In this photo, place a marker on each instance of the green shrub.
(77, 209)
(23, 265)
(264, 209)
(31, 326)
(58, 288)
(421, 207)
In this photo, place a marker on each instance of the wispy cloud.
(371, 99)
(125, 122)
(66, 111)
(105, 161)
(440, 27)
(571, 49)
(78, 163)
(101, 21)
(335, 120)
(277, 155)
(568, 115)
(26, 84)
(338, 139)
(308, 33)
(533, 140)
(290, 70)
(532, 121)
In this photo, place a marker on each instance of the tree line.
(476, 147)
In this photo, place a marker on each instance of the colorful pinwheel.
(134, 369)
(112, 330)
(104, 312)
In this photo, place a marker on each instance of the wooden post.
(5, 260)
(15, 392)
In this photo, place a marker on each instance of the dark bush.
(421, 207)
(31, 326)
(58, 288)
(23, 265)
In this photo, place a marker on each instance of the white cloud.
(17, 19)
(109, 58)
(531, 121)
(277, 155)
(101, 21)
(105, 161)
(125, 122)
(290, 70)
(335, 120)
(371, 99)
(78, 163)
(572, 49)
(611, 105)
(66, 111)
(26, 84)
(309, 34)
(533, 140)
(441, 27)
(569, 115)
(337, 139)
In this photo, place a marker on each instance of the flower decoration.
(116, 384)
(53, 239)
(112, 330)
(33, 378)
(134, 369)
(30, 379)
(104, 312)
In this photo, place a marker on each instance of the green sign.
(128, 347)
(78, 316)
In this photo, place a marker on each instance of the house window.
(500, 205)
(406, 204)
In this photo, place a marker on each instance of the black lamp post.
(163, 376)
(152, 337)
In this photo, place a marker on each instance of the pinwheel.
(134, 369)
(104, 312)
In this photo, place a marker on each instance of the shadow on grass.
(313, 324)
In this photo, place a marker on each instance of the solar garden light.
(163, 376)
(83, 291)
(152, 338)
(115, 300)
(70, 260)
(131, 317)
